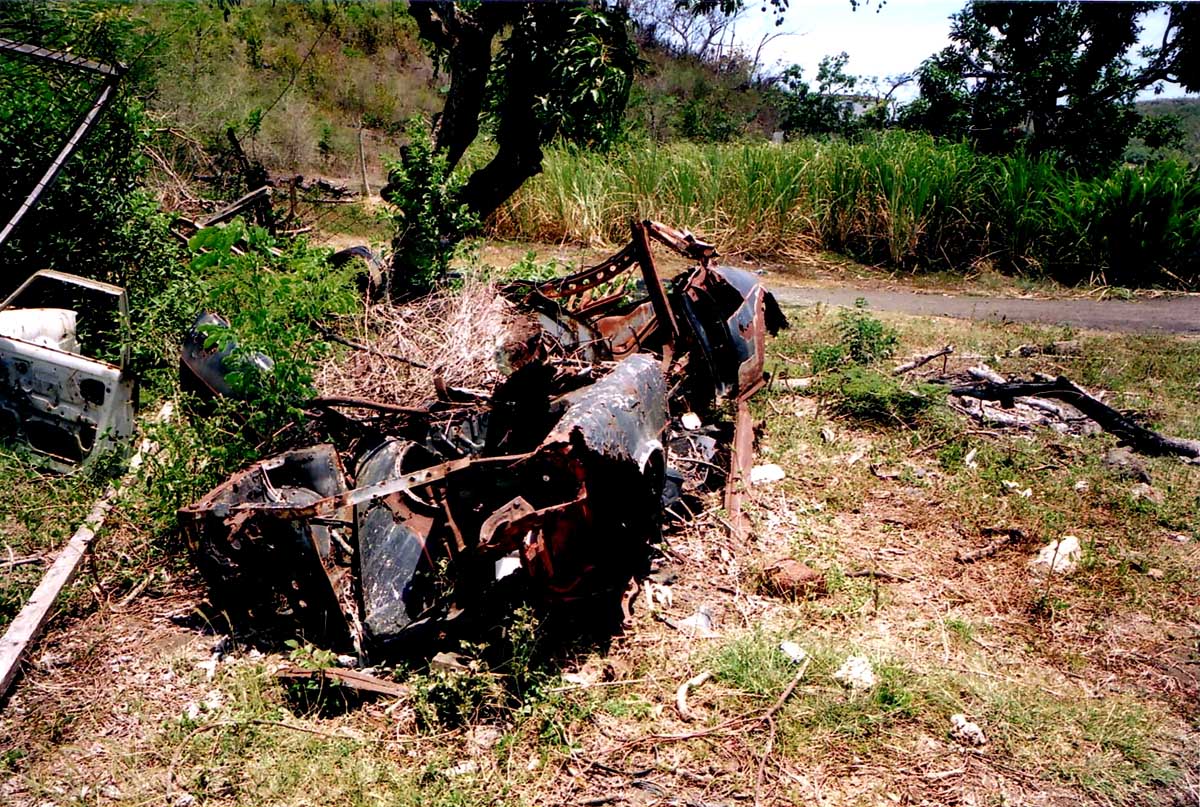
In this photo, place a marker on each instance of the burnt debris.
(561, 477)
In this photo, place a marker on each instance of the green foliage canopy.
(1056, 78)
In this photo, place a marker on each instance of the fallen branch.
(922, 360)
(878, 575)
(1141, 439)
(985, 373)
(1007, 536)
(769, 718)
(352, 679)
(327, 402)
(8, 564)
(1023, 416)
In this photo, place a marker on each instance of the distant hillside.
(1187, 110)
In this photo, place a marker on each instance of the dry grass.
(452, 334)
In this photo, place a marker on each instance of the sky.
(881, 40)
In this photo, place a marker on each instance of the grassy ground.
(1085, 685)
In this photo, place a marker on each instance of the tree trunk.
(519, 135)
(465, 39)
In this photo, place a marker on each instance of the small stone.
(1143, 491)
(449, 662)
(797, 383)
(1155, 574)
(690, 421)
(1125, 465)
(1058, 557)
(762, 474)
(1082, 486)
(966, 732)
(482, 739)
(856, 673)
(1178, 537)
(461, 769)
(788, 577)
(699, 625)
(793, 651)
(827, 434)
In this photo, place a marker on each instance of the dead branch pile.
(453, 335)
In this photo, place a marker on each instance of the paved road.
(1163, 315)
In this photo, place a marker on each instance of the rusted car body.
(64, 389)
(709, 323)
(560, 473)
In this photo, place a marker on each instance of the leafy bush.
(865, 338)
(273, 294)
(94, 220)
(429, 220)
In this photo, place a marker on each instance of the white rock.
(209, 666)
(966, 732)
(827, 434)
(212, 701)
(969, 460)
(762, 474)
(856, 673)
(793, 651)
(462, 769)
(690, 421)
(1143, 491)
(699, 625)
(1082, 486)
(1058, 557)
(797, 383)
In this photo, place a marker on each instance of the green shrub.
(865, 338)
(429, 220)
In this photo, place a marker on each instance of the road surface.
(1180, 314)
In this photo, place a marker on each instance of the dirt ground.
(1084, 685)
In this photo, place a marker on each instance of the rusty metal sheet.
(397, 561)
(280, 570)
(740, 462)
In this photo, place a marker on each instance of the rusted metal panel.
(720, 315)
(740, 462)
(280, 570)
(69, 402)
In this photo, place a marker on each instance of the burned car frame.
(560, 472)
(68, 407)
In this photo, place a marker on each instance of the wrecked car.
(65, 391)
(562, 473)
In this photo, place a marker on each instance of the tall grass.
(898, 199)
